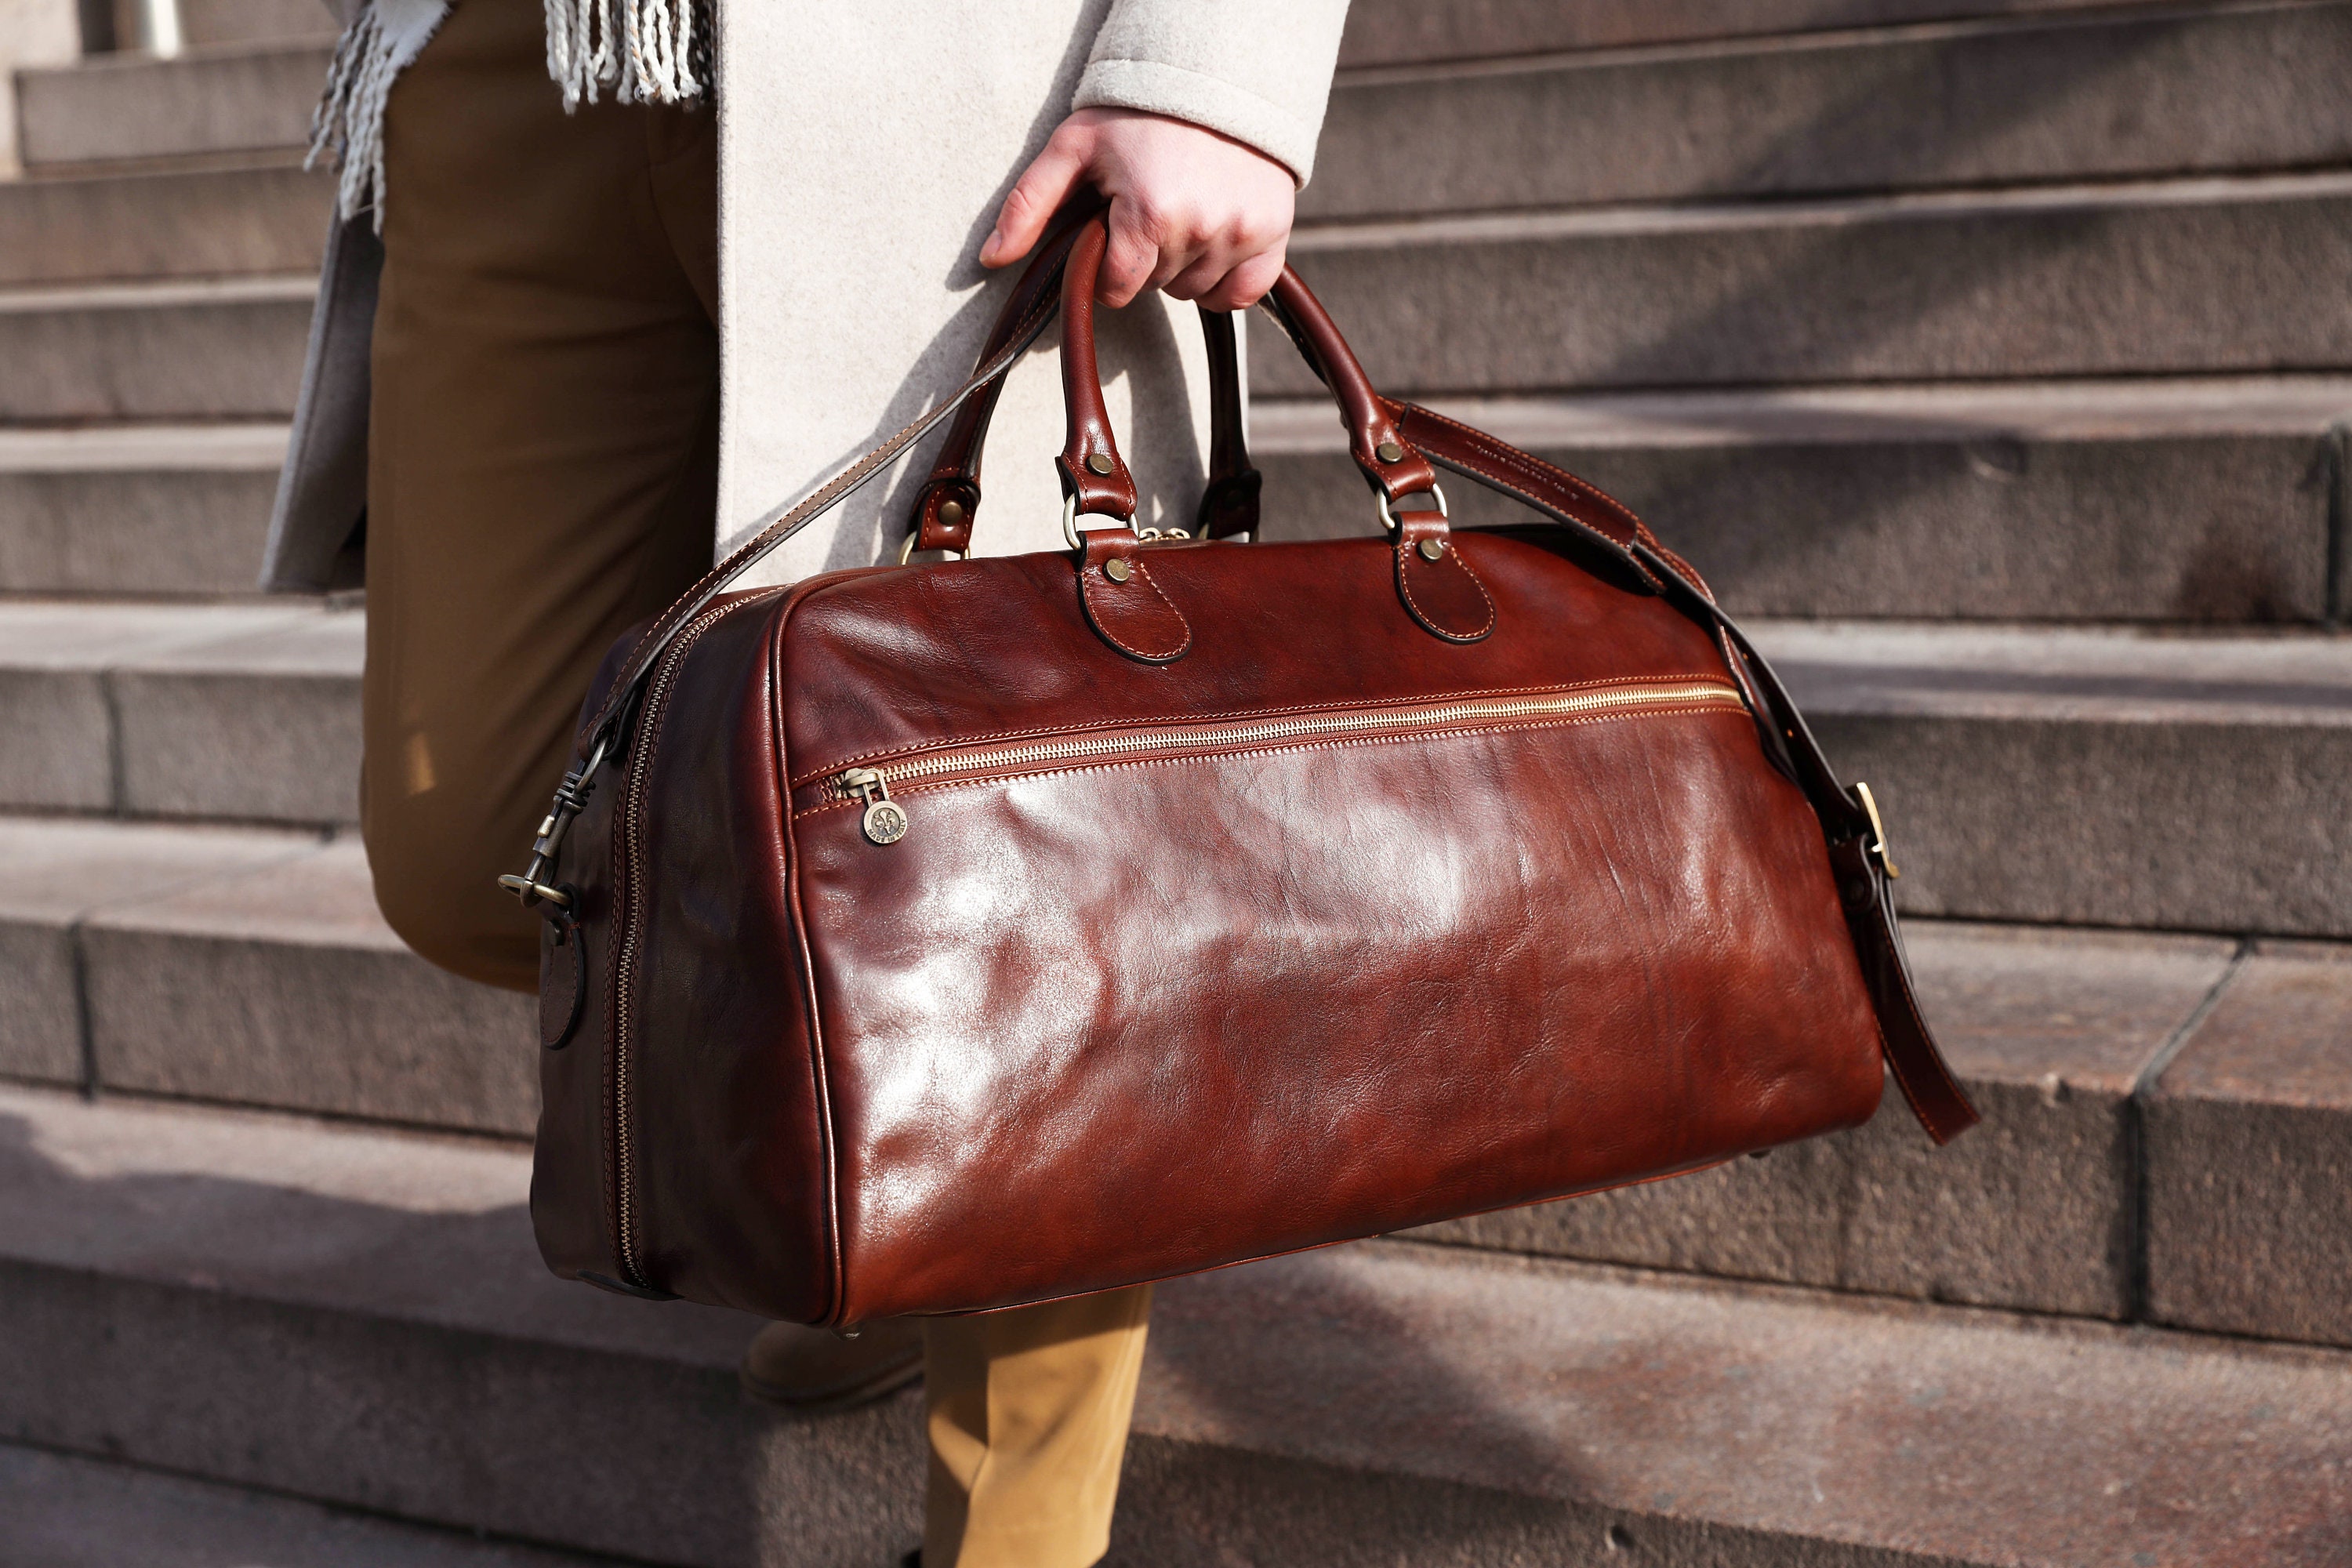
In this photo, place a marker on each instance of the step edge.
(1850, 37)
(2091, 408)
(1613, 220)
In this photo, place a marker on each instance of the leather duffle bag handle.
(948, 505)
(1432, 584)
(1399, 447)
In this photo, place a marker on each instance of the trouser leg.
(541, 474)
(543, 453)
(1028, 1412)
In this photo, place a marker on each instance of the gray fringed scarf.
(646, 51)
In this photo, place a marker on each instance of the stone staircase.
(1995, 355)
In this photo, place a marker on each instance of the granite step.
(227, 349)
(68, 1512)
(2077, 96)
(2172, 501)
(264, 950)
(288, 991)
(2205, 276)
(270, 220)
(137, 510)
(206, 103)
(2168, 500)
(2101, 777)
(2259, 1207)
(359, 1318)
(1392, 32)
(2168, 1138)
(243, 712)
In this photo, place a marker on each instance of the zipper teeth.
(632, 820)
(1705, 692)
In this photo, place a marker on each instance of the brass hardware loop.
(571, 798)
(1076, 535)
(907, 551)
(1388, 517)
(1876, 849)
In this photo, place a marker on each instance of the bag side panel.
(571, 1176)
(731, 1156)
(571, 1173)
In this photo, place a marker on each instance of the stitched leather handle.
(1551, 490)
(948, 505)
(948, 502)
(1092, 470)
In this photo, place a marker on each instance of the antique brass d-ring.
(1076, 535)
(1388, 518)
(907, 551)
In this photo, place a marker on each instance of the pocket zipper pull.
(885, 820)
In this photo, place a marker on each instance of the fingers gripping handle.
(1092, 470)
(944, 510)
(948, 503)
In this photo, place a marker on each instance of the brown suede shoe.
(813, 1370)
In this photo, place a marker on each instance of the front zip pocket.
(888, 820)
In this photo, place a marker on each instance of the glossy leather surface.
(1124, 604)
(1434, 586)
(1121, 1021)
(1133, 1015)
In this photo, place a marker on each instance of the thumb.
(1034, 198)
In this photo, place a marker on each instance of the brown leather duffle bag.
(941, 937)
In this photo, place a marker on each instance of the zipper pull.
(885, 820)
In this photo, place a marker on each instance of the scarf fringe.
(643, 51)
(348, 124)
(646, 51)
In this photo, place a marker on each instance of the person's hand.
(1191, 212)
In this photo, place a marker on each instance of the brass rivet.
(1390, 452)
(951, 512)
(1099, 463)
(1430, 549)
(1117, 569)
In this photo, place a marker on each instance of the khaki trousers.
(543, 448)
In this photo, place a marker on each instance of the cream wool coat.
(879, 182)
(863, 152)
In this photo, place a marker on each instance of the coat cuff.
(1230, 110)
(1260, 74)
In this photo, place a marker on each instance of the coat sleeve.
(1257, 72)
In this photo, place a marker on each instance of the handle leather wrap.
(1092, 470)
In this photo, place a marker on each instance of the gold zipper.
(886, 820)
